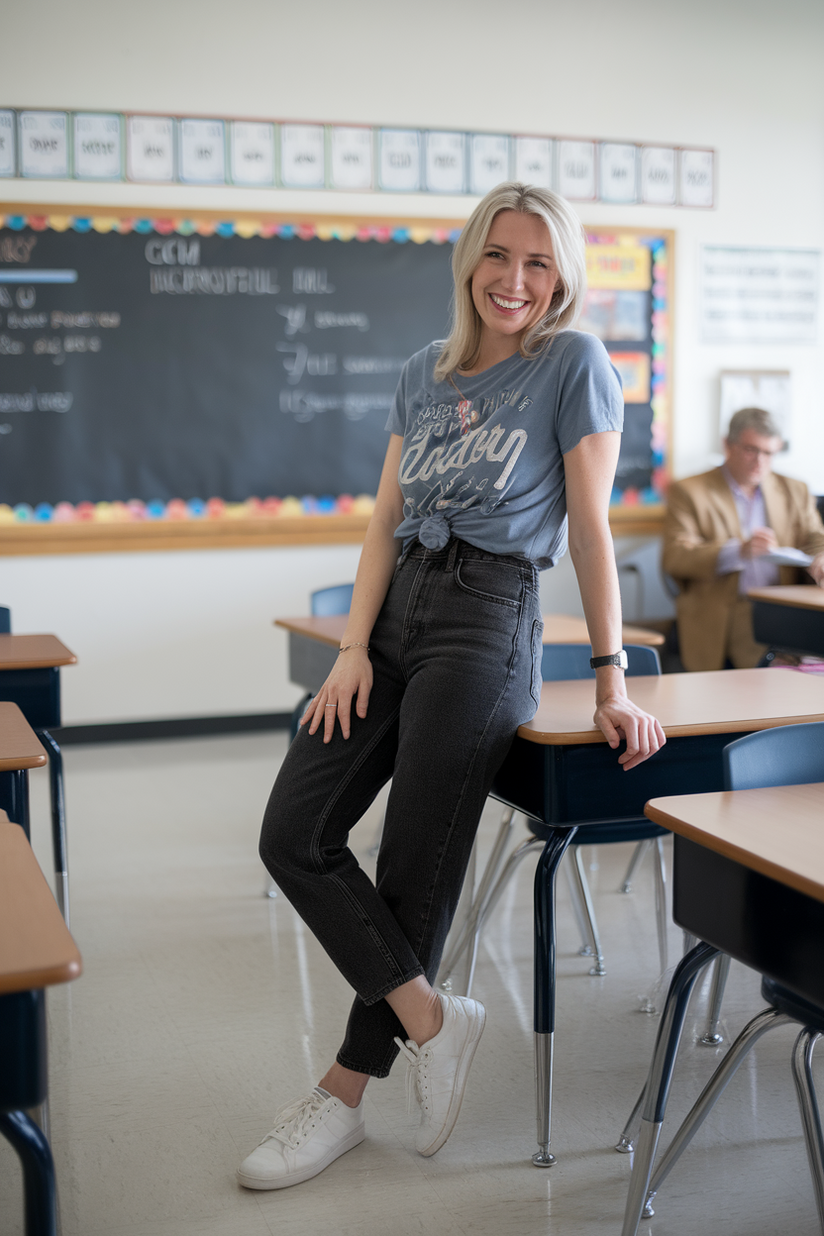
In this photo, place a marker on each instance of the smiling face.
(513, 284)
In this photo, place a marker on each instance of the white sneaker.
(438, 1070)
(309, 1134)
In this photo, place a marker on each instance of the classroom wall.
(163, 635)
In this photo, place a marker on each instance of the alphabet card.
(8, 162)
(533, 161)
(44, 144)
(202, 152)
(350, 157)
(399, 160)
(576, 170)
(445, 162)
(252, 153)
(98, 146)
(150, 148)
(302, 163)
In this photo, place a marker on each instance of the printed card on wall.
(252, 153)
(658, 175)
(399, 160)
(44, 144)
(350, 163)
(488, 161)
(202, 152)
(619, 172)
(445, 162)
(150, 148)
(8, 160)
(576, 170)
(302, 163)
(533, 161)
(695, 180)
(98, 146)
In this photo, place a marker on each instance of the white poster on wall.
(350, 159)
(399, 167)
(619, 172)
(202, 152)
(759, 295)
(150, 148)
(302, 164)
(488, 161)
(445, 162)
(757, 388)
(8, 161)
(533, 161)
(98, 146)
(44, 144)
(576, 170)
(252, 152)
(658, 185)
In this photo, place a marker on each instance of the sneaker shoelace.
(296, 1120)
(417, 1073)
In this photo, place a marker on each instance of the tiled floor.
(204, 1005)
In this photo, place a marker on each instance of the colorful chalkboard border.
(137, 512)
(419, 234)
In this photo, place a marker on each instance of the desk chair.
(561, 662)
(37, 694)
(787, 755)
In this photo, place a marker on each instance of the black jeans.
(456, 654)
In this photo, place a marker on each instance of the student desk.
(36, 951)
(561, 772)
(30, 677)
(790, 617)
(748, 878)
(20, 750)
(314, 642)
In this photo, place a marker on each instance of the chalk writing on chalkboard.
(152, 367)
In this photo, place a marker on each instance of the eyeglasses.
(754, 452)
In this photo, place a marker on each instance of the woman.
(495, 435)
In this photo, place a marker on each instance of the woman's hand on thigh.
(350, 680)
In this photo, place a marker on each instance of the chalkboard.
(158, 360)
(146, 366)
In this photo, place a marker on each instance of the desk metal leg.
(660, 1077)
(58, 814)
(709, 1096)
(711, 1036)
(35, 1157)
(14, 797)
(548, 863)
(810, 1116)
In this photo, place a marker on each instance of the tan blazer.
(713, 622)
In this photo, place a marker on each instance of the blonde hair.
(461, 350)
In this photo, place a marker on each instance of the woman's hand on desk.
(350, 677)
(617, 717)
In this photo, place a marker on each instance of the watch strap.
(615, 658)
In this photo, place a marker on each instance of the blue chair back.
(5, 620)
(327, 602)
(563, 661)
(786, 755)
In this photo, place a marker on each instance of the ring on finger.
(330, 705)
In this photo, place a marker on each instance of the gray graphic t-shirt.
(485, 463)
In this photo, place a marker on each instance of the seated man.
(719, 526)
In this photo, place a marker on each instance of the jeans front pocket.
(498, 582)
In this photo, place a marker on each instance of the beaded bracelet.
(355, 644)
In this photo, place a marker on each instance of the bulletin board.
(183, 382)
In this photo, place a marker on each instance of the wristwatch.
(615, 658)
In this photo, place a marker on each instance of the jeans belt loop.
(453, 554)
